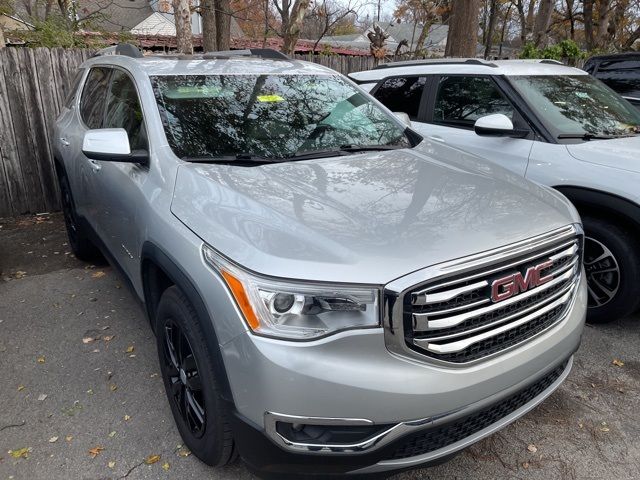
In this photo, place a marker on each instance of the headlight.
(296, 310)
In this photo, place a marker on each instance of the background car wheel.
(612, 268)
(192, 390)
(79, 241)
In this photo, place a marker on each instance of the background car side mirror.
(404, 118)
(111, 145)
(497, 125)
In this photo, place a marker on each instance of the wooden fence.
(33, 85)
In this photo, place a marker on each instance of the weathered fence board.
(33, 86)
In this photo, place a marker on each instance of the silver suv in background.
(547, 122)
(330, 293)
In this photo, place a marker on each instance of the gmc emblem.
(507, 287)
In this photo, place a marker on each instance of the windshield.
(578, 105)
(269, 116)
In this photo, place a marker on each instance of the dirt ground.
(80, 394)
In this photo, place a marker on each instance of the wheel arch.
(598, 203)
(160, 272)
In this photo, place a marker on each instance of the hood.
(622, 153)
(365, 218)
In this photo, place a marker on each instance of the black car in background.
(620, 71)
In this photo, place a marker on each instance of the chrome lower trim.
(404, 428)
(464, 443)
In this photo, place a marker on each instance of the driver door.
(454, 105)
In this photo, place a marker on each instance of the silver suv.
(330, 293)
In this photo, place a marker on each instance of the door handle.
(95, 166)
(437, 138)
(64, 142)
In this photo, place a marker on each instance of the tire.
(187, 368)
(79, 241)
(612, 267)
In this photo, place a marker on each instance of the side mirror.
(111, 145)
(496, 125)
(404, 118)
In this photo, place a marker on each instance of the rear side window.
(622, 76)
(460, 101)
(93, 97)
(402, 94)
(124, 110)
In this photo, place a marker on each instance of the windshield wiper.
(342, 150)
(238, 158)
(589, 136)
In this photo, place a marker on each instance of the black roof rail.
(550, 61)
(126, 49)
(427, 61)
(266, 53)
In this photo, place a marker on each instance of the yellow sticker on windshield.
(270, 98)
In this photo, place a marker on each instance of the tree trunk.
(463, 29)
(488, 42)
(603, 23)
(182, 16)
(3, 43)
(421, 38)
(588, 23)
(223, 24)
(208, 13)
(543, 19)
(571, 18)
(291, 29)
(523, 20)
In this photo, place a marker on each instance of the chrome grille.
(456, 319)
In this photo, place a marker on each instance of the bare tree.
(208, 14)
(223, 24)
(182, 16)
(292, 14)
(378, 38)
(541, 25)
(491, 23)
(324, 17)
(463, 29)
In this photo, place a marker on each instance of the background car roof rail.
(126, 49)
(428, 61)
(267, 53)
(550, 61)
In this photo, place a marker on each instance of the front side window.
(460, 101)
(577, 105)
(402, 94)
(124, 110)
(93, 97)
(270, 116)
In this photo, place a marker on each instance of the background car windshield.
(578, 104)
(271, 116)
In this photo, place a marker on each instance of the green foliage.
(566, 49)
(57, 31)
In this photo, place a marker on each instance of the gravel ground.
(80, 387)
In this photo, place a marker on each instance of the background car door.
(92, 103)
(456, 102)
(120, 183)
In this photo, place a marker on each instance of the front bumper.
(406, 445)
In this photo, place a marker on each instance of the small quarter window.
(93, 97)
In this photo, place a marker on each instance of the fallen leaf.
(20, 453)
(151, 459)
(108, 338)
(111, 464)
(113, 387)
(166, 466)
(183, 452)
(95, 451)
(98, 274)
(90, 391)
(19, 274)
(40, 359)
(618, 363)
(20, 388)
(68, 438)
(604, 429)
(525, 465)
(42, 397)
(53, 439)
(87, 339)
(112, 434)
(532, 448)
(130, 349)
(127, 418)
